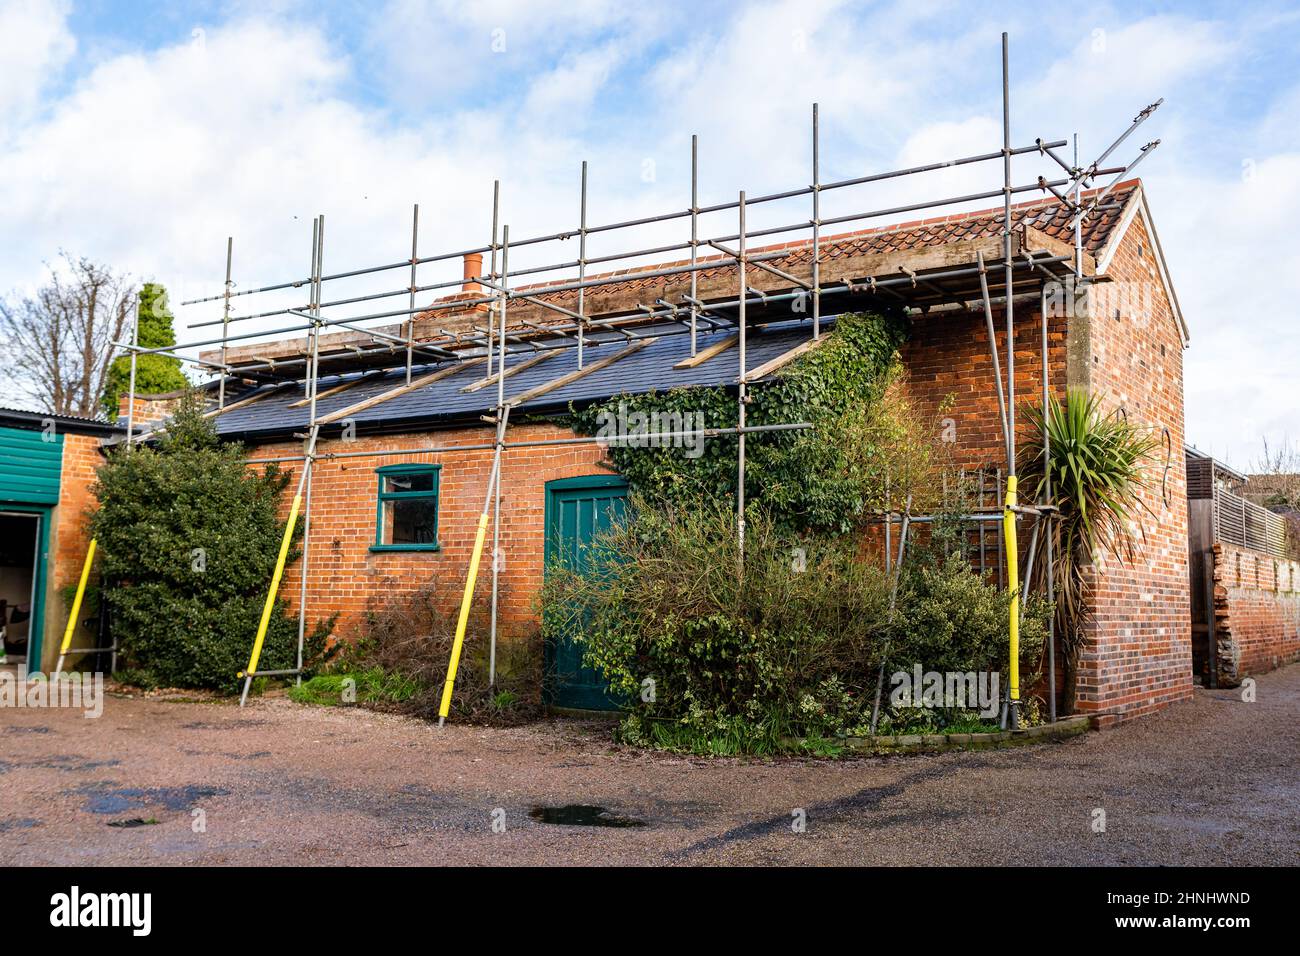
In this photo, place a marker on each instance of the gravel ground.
(1213, 781)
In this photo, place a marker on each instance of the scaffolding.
(616, 329)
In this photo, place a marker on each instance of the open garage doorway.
(22, 549)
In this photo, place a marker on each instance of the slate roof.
(443, 404)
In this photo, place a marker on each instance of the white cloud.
(150, 159)
(1229, 242)
(1141, 59)
(34, 45)
(431, 53)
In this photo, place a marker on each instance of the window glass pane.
(421, 481)
(413, 521)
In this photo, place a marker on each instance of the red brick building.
(384, 524)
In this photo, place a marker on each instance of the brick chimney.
(473, 269)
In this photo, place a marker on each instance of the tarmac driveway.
(1214, 781)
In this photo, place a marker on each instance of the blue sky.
(143, 134)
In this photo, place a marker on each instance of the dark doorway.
(20, 552)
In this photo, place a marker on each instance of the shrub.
(188, 538)
(951, 619)
(399, 663)
(758, 651)
(1097, 470)
(740, 657)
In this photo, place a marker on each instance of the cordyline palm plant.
(1096, 472)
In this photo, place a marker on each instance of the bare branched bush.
(408, 635)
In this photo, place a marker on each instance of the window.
(407, 515)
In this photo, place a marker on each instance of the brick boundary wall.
(1256, 612)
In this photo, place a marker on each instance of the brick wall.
(948, 361)
(149, 409)
(69, 538)
(1137, 654)
(345, 575)
(1256, 612)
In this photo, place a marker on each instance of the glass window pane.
(421, 481)
(413, 521)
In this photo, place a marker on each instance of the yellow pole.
(458, 642)
(76, 606)
(275, 587)
(1013, 582)
(445, 707)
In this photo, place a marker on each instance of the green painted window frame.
(383, 496)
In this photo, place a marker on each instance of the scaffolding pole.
(1013, 563)
(415, 262)
(318, 257)
(695, 240)
(621, 276)
(741, 392)
(893, 601)
(286, 539)
(1047, 544)
(582, 264)
(1037, 147)
(503, 416)
(816, 226)
(225, 323)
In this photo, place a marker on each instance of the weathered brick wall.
(69, 538)
(1138, 652)
(149, 409)
(950, 375)
(344, 575)
(1137, 655)
(1256, 612)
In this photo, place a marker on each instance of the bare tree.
(1275, 484)
(60, 340)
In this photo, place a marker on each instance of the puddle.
(582, 815)
(104, 798)
(132, 823)
(22, 823)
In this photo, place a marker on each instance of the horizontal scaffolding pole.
(670, 313)
(541, 443)
(643, 221)
(615, 278)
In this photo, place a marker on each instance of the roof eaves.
(25, 418)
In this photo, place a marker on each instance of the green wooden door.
(576, 510)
